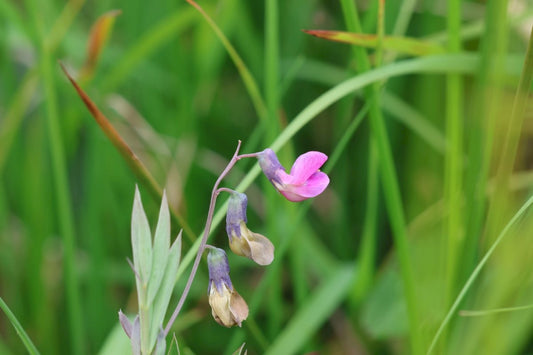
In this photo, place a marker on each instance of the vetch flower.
(304, 181)
(227, 306)
(243, 241)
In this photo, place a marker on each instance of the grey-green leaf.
(136, 337)
(160, 250)
(162, 297)
(141, 239)
(161, 344)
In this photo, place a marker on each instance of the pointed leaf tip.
(160, 249)
(406, 45)
(99, 34)
(141, 239)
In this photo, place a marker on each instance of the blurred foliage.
(170, 89)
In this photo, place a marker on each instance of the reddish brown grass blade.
(139, 169)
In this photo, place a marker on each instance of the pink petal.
(284, 178)
(306, 165)
(314, 186)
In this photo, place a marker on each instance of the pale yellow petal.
(238, 308)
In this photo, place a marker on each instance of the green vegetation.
(422, 243)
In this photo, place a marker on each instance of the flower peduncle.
(203, 242)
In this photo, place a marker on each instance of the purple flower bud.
(243, 241)
(304, 181)
(218, 265)
(269, 163)
(227, 306)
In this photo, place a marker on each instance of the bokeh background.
(427, 164)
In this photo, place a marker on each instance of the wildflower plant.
(155, 262)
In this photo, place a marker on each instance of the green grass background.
(430, 158)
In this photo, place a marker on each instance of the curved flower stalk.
(304, 181)
(227, 306)
(243, 241)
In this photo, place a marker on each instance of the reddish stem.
(207, 228)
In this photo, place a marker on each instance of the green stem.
(388, 177)
(64, 209)
(272, 64)
(367, 254)
(66, 220)
(454, 153)
(481, 132)
(247, 78)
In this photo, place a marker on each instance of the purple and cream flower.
(243, 241)
(304, 181)
(227, 306)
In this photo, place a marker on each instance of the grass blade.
(404, 45)
(20, 331)
(98, 37)
(248, 79)
(476, 272)
(314, 312)
(136, 165)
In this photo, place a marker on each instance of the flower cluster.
(304, 181)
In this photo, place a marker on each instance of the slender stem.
(454, 156)
(225, 189)
(64, 209)
(389, 180)
(251, 155)
(203, 243)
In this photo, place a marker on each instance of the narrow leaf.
(141, 239)
(477, 271)
(174, 348)
(403, 45)
(162, 298)
(136, 337)
(98, 37)
(161, 249)
(246, 75)
(314, 312)
(20, 331)
(240, 350)
(161, 344)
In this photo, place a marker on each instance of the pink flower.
(304, 181)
